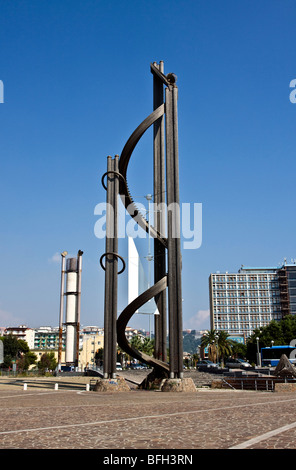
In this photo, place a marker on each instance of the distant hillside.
(190, 343)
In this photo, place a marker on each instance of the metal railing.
(255, 383)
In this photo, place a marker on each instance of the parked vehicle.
(237, 364)
(118, 366)
(206, 364)
(137, 366)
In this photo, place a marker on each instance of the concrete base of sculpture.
(117, 384)
(159, 380)
(178, 385)
(153, 380)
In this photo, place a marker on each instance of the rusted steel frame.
(173, 235)
(160, 321)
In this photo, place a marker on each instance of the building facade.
(287, 288)
(45, 339)
(92, 342)
(248, 300)
(21, 332)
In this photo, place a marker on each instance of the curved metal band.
(114, 173)
(123, 164)
(117, 256)
(126, 315)
(136, 136)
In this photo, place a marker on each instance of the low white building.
(22, 332)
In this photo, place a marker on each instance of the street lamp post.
(149, 257)
(217, 343)
(258, 353)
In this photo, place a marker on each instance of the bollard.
(25, 386)
(87, 387)
(56, 386)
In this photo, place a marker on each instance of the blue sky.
(77, 82)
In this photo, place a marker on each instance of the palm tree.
(224, 345)
(148, 346)
(137, 342)
(218, 343)
(209, 341)
(145, 345)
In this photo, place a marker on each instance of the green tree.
(47, 362)
(218, 343)
(288, 325)
(26, 360)
(14, 349)
(145, 345)
(280, 332)
(136, 342)
(148, 346)
(7, 361)
(10, 345)
(23, 347)
(208, 341)
(195, 358)
(99, 357)
(225, 345)
(239, 350)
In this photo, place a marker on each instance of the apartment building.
(47, 337)
(287, 288)
(249, 299)
(21, 332)
(92, 342)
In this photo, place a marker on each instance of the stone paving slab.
(72, 418)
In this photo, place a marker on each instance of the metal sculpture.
(167, 249)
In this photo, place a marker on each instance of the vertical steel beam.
(110, 307)
(173, 234)
(160, 321)
(108, 279)
(62, 294)
(78, 303)
(115, 265)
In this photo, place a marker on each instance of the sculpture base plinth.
(117, 384)
(178, 385)
(153, 380)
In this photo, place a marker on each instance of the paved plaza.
(74, 418)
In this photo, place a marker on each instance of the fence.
(255, 383)
(26, 373)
